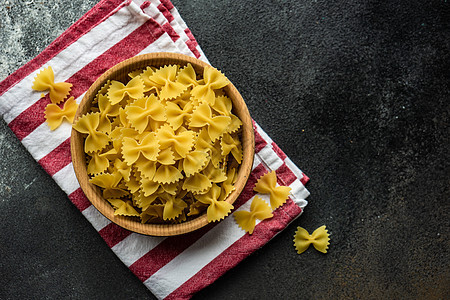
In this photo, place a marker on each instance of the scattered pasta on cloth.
(55, 114)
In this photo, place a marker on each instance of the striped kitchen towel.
(112, 31)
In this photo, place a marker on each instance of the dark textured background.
(355, 92)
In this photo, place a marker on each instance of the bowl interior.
(120, 73)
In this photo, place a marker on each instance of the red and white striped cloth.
(114, 30)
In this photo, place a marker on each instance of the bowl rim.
(93, 193)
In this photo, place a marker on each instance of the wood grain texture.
(120, 73)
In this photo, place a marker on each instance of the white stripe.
(256, 161)
(299, 193)
(180, 27)
(154, 12)
(42, 140)
(290, 164)
(134, 246)
(163, 44)
(66, 179)
(97, 220)
(72, 59)
(193, 259)
(270, 158)
(263, 134)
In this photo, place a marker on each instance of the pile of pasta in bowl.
(164, 145)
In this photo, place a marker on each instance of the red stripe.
(172, 33)
(278, 151)
(285, 175)
(240, 249)
(145, 5)
(57, 159)
(165, 12)
(167, 4)
(260, 142)
(171, 247)
(91, 19)
(79, 199)
(191, 36)
(192, 46)
(304, 179)
(131, 45)
(113, 234)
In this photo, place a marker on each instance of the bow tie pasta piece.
(228, 184)
(145, 74)
(145, 112)
(173, 207)
(194, 162)
(147, 168)
(222, 105)
(180, 143)
(123, 208)
(215, 175)
(319, 238)
(117, 90)
(266, 184)
(45, 80)
(122, 168)
(153, 213)
(167, 174)
(203, 141)
(213, 80)
(177, 116)
(233, 145)
(197, 183)
(133, 184)
(165, 79)
(95, 140)
(166, 157)
(99, 162)
(259, 209)
(110, 185)
(143, 201)
(149, 186)
(102, 92)
(202, 117)
(106, 110)
(234, 125)
(54, 115)
(217, 210)
(187, 76)
(132, 149)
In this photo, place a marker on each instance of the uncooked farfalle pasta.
(164, 146)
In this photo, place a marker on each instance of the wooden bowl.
(120, 73)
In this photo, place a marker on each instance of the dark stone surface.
(356, 93)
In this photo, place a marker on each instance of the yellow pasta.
(124, 208)
(319, 239)
(266, 184)
(202, 117)
(217, 209)
(95, 140)
(117, 90)
(160, 151)
(45, 80)
(147, 148)
(144, 112)
(213, 80)
(258, 210)
(165, 79)
(54, 115)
